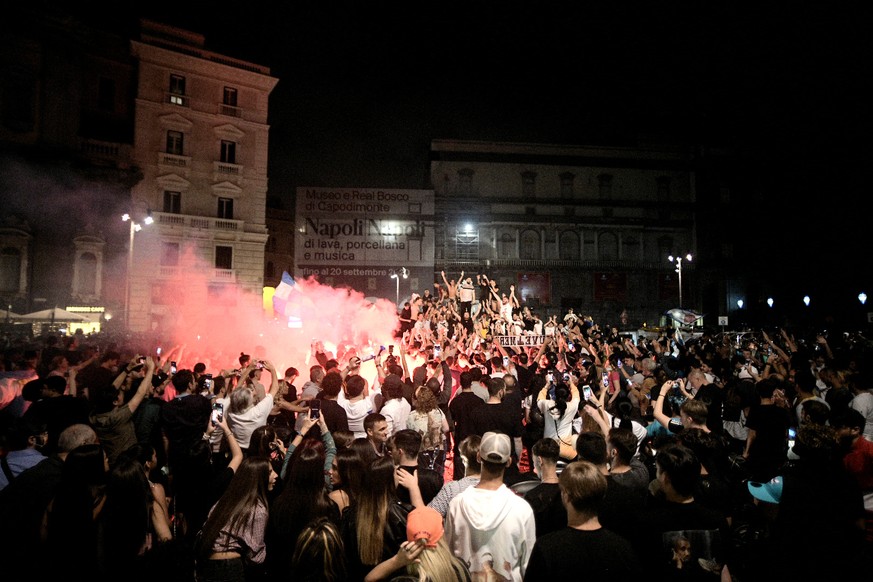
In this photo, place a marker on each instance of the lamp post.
(135, 227)
(404, 272)
(678, 262)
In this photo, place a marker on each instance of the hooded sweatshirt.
(491, 530)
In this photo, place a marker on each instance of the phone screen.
(314, 408)
(587, 392)
(172, 367)
(217, 412)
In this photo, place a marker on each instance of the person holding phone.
(559, 413)
(245, 414)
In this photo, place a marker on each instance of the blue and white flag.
(282, 294)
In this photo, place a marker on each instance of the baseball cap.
(495, 447)
(424, 523)
(771, 491)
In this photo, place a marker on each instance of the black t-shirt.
(549, 512)
(621, 508)
(461, 408)
(497, 418)
(429, 483)
(335, 417)
(594, 556)
(770, 423)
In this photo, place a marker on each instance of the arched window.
(506, 246)
(530, 245)
(568, 248)
(607, 245)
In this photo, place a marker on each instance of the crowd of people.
(484, 444)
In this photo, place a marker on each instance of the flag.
(683, 316)
(282, 294)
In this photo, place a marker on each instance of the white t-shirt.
(243, 424)
(863, 403)
(556, 427)
(356, 412)
(396, 413)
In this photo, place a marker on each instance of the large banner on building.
(349, 231)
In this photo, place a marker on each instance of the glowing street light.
(678, 261)
(404, 272)
(806, 300)
(770, 301)
(862, 297)
(740, 303)
(135, 227)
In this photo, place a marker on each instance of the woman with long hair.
(424, 555)
(559, 411)
(375, 525)
(319, 554)
(346, 476)
(132, 522)
(265, 442)
(232, 539)
(429, 421)
(304, 498)
(70, 522)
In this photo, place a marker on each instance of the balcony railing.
(224, 168)
(223, 275)
(173, 161)
(229, 110)
(199, 222)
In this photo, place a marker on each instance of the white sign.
(722, 320)
(362, 227)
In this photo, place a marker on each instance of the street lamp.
(135, 227)
(404, 272)
(678, 261)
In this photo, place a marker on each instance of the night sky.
(365, 86)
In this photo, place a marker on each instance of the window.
(528, 183)
(567, 179)
(225, 208)
(223, 257)
(229, 96)
(530, 245)
(506, 246)
(169, 254)
(106, 94)
(87, 282)
(10, 270)
(177, 90)
(605, 185)
(173, 202)
(228, 152)
(569, 247)
(175, 143)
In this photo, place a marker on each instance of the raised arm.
(144, 387)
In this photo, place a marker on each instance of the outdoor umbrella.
(55, 314)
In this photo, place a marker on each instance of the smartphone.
(505, 361)
(619, 364)
(792, 435)
(158, 351)
(217, 412)
(172, 367)
(314, 408)
(606, 379)
(436, 351)
(550, 378)
(587, 392)
(140, 360)
(259, 365)
(207, 381)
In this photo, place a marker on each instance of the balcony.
(223, 171)
(173, 162)
(229, 110)
(216, 275)
(198, 222)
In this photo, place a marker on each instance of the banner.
(514, 341)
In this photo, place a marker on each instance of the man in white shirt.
(488, 526)
(356, 402)
(396, 408)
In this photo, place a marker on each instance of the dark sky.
(364, 87)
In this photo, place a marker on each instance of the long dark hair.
(377, 493)
(351, 469)
(247, 490)
(126, 518)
